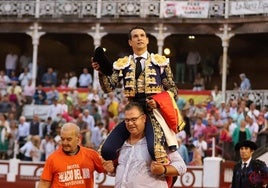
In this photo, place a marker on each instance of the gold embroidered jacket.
(155, 78)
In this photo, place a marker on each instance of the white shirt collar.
(144, 55)
(248, 161)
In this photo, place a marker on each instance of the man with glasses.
(144, 75)
(135, 167)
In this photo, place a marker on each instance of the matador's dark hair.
(133, 28)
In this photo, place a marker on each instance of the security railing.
(131, 8)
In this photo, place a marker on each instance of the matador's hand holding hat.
(106, 66)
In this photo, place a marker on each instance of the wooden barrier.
(226, 172)
(28, 174)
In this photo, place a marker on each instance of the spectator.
(196, 156)
(252, 127)
(180, 101)
(199, 83)
(36, 128)
(89, 119)
(4, 81)
(24, 61)
(210, 132)
(63, 84)
(216, 96)
(15, 87)
(187, 127)
(13, 77)
(99, 134)
(66, 103)
(73, 94)
(40, 95)
(96, 115)
(48, 128)
(94, 95)
(226, 142)
(52, 94)
(192, 61)
(12, 138)
(191, 112)
(217, 121)
(47, 147)
(201, 145)
(180, 66)
(223, 111)
(112, 105)
(241, 133)
(183, 151)
(73, 80)
(262, 138)
(4, 136)
(28, 92)
(23, 131)
(49, 78)
(31, 149)
(85, 79)
(24, 77)
(5, 105)
(11, 62)
(253, 112)
(199, 128)
(55, 109)
(112, 122)
(121, 108)
(245, 82)
(13, 98)
(231, 124)
(233, 107)
(84, 131)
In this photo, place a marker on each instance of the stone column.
(225, 37)
(160, 36)
(35, 34)
(97, 35)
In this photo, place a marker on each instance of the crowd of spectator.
(227, 122)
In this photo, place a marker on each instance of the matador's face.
(138, 41)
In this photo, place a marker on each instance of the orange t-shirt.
(72, 171)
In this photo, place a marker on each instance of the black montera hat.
(246, 143)
(106, 66)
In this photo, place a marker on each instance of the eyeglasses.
(133, 120)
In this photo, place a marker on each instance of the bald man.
(71, 165)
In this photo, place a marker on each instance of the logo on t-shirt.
(74, 175)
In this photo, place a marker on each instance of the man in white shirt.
(201, 145)
(253, 128)
(55, 109)
(11, 62)
(135, 166)
(85, 79)
(89, 119)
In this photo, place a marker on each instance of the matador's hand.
(151, 103)
(95, 65)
